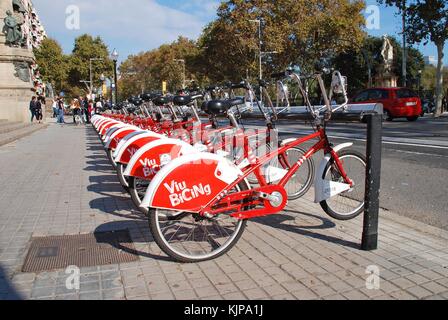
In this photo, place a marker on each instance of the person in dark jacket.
(38, 109)
(33, 103)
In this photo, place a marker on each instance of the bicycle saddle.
(182, 100)
(149, 96)
(217, 107)
(161, 101)
(138, 102)
(185, 100)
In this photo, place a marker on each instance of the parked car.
(397, 102)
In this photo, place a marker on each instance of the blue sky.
(132, 26)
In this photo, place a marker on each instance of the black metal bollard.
(373, 177)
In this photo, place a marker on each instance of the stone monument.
(386, 77)
(16, 61)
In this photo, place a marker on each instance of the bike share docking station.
(372, 115)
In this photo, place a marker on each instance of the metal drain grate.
(84, 250)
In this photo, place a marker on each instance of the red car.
(397, 102)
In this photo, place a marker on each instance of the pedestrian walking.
(76, 108)
(38, 110)
(60, 104)
(85, 107)
(33, 108)
(54, 106)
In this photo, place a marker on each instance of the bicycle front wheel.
(137, 190)
(123, 179)
(189, 238)
(349, 204)
(110, 156)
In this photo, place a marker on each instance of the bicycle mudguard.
(148, 160)
(126, 139)
(111, 131)
(190, 183)
(106, 125)
(115, 138)
(125, 151)
(325, 189)
(95, 119)
(100, 122)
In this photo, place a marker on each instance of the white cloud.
(130, 25)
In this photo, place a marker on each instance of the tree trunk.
(439, 79)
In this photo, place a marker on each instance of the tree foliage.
(85, 48)
(355, 63)
(147, 70)
(427, 21)
(53, 64)
(66, 71)
(300, 31)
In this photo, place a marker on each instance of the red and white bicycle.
(199, 203)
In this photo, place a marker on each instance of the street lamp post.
(260, 53)
(114, 57)
(184, 71)
(260, 43)
(419, 80)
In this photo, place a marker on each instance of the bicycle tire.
(121, 177)
(305, 187)
(329, 205)
(110, 156)
(136, 197)
(188, 258)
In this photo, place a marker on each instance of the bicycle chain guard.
(272, 199)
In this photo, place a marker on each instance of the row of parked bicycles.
(190, 164)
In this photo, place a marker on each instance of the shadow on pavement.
(7, 290)
(280, 221)
(107, 206)
(128, 225)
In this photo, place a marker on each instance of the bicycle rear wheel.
(349, 204)
(189, 238)
(301, 182)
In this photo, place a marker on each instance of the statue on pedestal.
(386, 77)
(12, 30)
(387, 52)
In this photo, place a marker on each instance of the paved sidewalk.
(59, 182)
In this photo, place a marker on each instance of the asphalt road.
(414, 180)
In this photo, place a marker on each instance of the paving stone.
(402, 295)
(354, 295)
(40, 292)
(403, 283)
(304, 294)
(434, 287)
(93, 295)
(24, 277)
(185, 295)
(234, 296)
(113, 294)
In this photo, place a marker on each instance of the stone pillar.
(16, 87)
